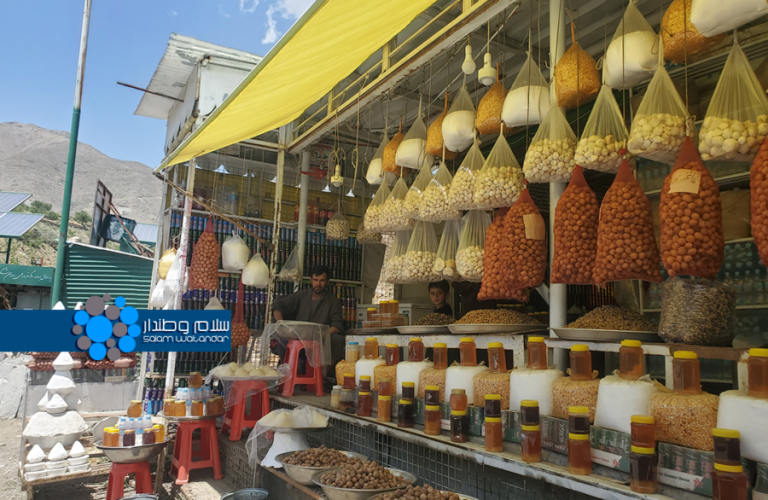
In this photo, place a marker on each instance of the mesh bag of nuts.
(425, 492)
(367, 475)
(445, 261)
(435, 144)
(680, 37)
(375, 173)
(367, 237)
(626, 244)
(389, 156)
(577, 80)
(373, 214)
(204, 268)
(575, 228)
(737, 117)
(392, 213)
(434, 205)
(524, 250)
(499, 182)
(320, 457)
(461, 193)
(550, 157)
(459, 123)
(632, 54)
(489, 108)
(527, 101)
(603, 143)
(420, 258)
(568, 392)
(413, 196)
(471, 251)
(493, 286)
(758, 184)
(685, 420)
(699, 312)
(691, 218)
(393, 269)
(412, 150)
(240, 331)
(337, 228)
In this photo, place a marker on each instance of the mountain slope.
(34, 160)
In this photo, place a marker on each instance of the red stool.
(117, 475)
(313, 376)
(183, 454)
(236, 418)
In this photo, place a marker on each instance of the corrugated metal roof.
(9, 200)
(90, 270)
(15, 224)
(172, 73)
(146, 233)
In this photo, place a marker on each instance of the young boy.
(439, 291)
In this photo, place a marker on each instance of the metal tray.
(191, 419)
(297, 430)
(492, 328)
(131, 454)
(423, 329)
(303, 474)
(373, 331)
(334, 493)
(604, 335)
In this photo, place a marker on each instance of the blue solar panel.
(14, 225)
(9, 201)
(146, 233)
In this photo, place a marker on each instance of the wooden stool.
(117, 474)
(313, 376)
(208, 454)
(236, 418)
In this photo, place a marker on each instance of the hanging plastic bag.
(435, 136)
(373, 214)
(434, 206)
(389, 163)
(365, 236)
(204, 268)
(524, 250)
(489, 108)
(445, 261)
(337, 227)
(415, 192)
(736, 123)
(461, 194)
(234, 253)
(256, 273)
(393, 270)
(626, 244)
(659, 126)
(691, 218)
(499, 182)
(577, 80)
(173, 278)
(527, 101)
(412, 151)
(575, 229)
(459, 124)
(375, 173)
(758, 184)
(712, 17)
(551, 155)
(164, 264)
(603, 143)
(214, 305)
(493, 286)
(680, 37)
(471, 252)
(632, 55)
(420, 257)
(291, 270)
(392, 215)
(240, 331)
(161, 295)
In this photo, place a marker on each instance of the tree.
(40, 207)
(82, 217)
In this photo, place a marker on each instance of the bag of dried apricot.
(489, 108)
(435, 144)
(758, 184)
(492, 286)
(524, 251)
(577, 80)
(576, 218)
(691, 218)
(204, 268)
(390, 153)
(626, 245)
(680, 37)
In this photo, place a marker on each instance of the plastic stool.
(236, 418)
(117, 474)
(208, 454)
(313, 376)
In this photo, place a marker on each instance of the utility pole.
(58, 276)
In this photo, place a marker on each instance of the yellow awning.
(330, 41)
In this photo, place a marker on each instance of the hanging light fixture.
(274, 179)
(487, 75)
(351, 194)
(327, 188)
(468, 66)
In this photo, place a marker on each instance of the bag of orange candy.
(524, 251)
(758, 184)
(240, 331)
(204, 268)
(492, 286)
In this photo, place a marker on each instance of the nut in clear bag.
(500, 181)
(389, 157)
(434, 205)
(445, 261)
(291, 270)
(421, 254)
(461, 193)
(603, 143)
(459, 123)
(373, 214)
(392, 215)
(411, 153)
(681, 38)
(415, 192)
(471, 252)
(375, 173)
(632, 55)
(393, 270)
(337, 228)
(551, 155)
(366, 237)
(527, 102)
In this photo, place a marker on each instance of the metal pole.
(301, 240)
(284, 135)
(8, 251)
(58, 277)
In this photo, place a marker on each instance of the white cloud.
(288, 9)
(222, 13)
(173, 13)
(271, 35)
(248, 6)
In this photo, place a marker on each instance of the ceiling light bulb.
(327, 189)
(351, 194)
(487, 75)
(468, 66)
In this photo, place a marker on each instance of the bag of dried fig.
(470, 255)
(626, 244)
(499, 182)
(680, 37)
(393, 269)
(445, 260)
(603, 143)
(415, 192)
(373, 214)
(204, 268)
(435, 144)
(577, 80)
(420, 257)
(524, 250)
(489, 108)
(550, 157)
(434, 206)
(392, 215)
(758, 184)
(461, 194)
(691, 218)
(575, 228)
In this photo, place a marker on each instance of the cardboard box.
(610, 448)
(687, 469)
(476, 420)
(510, 422)
(554, 434)
(761, 483)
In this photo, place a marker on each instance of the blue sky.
(127, 40)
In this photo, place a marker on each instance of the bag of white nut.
(461, 193)
(445, 260)
(415, 192)
(434, 206)
(373, 214)
(736, 123)
(500, 181)
(393, 269)
(550, 157)
(471, 252)
(337, 228)
(604, 142)
(420, 258)
(392, 217)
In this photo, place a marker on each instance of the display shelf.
(270, 222)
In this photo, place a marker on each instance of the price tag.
(685, 181)
(534, 226)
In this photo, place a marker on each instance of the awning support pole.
(301, 239)
(8, 251)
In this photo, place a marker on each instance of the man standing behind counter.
(315, 305)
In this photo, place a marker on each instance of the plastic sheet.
(434, 205)
(631, 57)
(435, 136)
(393, 270)
(411, 153)
(445, 261)
(375, 173)
(603, 143)
(680, 37)
(550, 157)
(234, 253)
(415, 193)
(459, 124)
(256, 273)
(393, 216)
(461, 193)
(245, 387)
(699, 312)
(261, 438)
(577, 80)
(204, 268)
(524, 250)
(527, 101)
(374, 213)
(161, 295)
(470, 254)
(420, 256)
(500, 181)
(314, 338)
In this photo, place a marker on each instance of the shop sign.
(26, 275)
